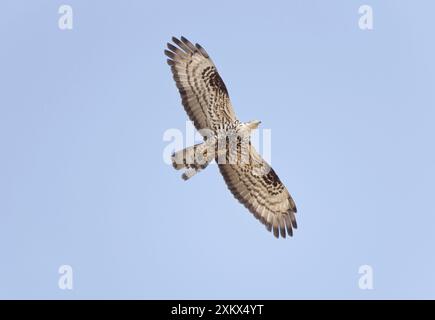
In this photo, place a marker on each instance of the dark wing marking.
(204, 94)
(258, 188)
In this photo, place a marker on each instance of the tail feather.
(193, 159)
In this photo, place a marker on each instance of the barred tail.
(193, 159)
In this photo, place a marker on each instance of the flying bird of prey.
(250, 179)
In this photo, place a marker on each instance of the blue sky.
(83, 183)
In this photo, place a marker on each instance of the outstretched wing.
(204, 95)
(258, 188)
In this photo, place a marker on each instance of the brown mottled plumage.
(205, 99)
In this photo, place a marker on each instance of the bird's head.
(252, 125)
(246, 128)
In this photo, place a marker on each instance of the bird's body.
(226, 140)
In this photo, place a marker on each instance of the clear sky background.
(83, 182)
